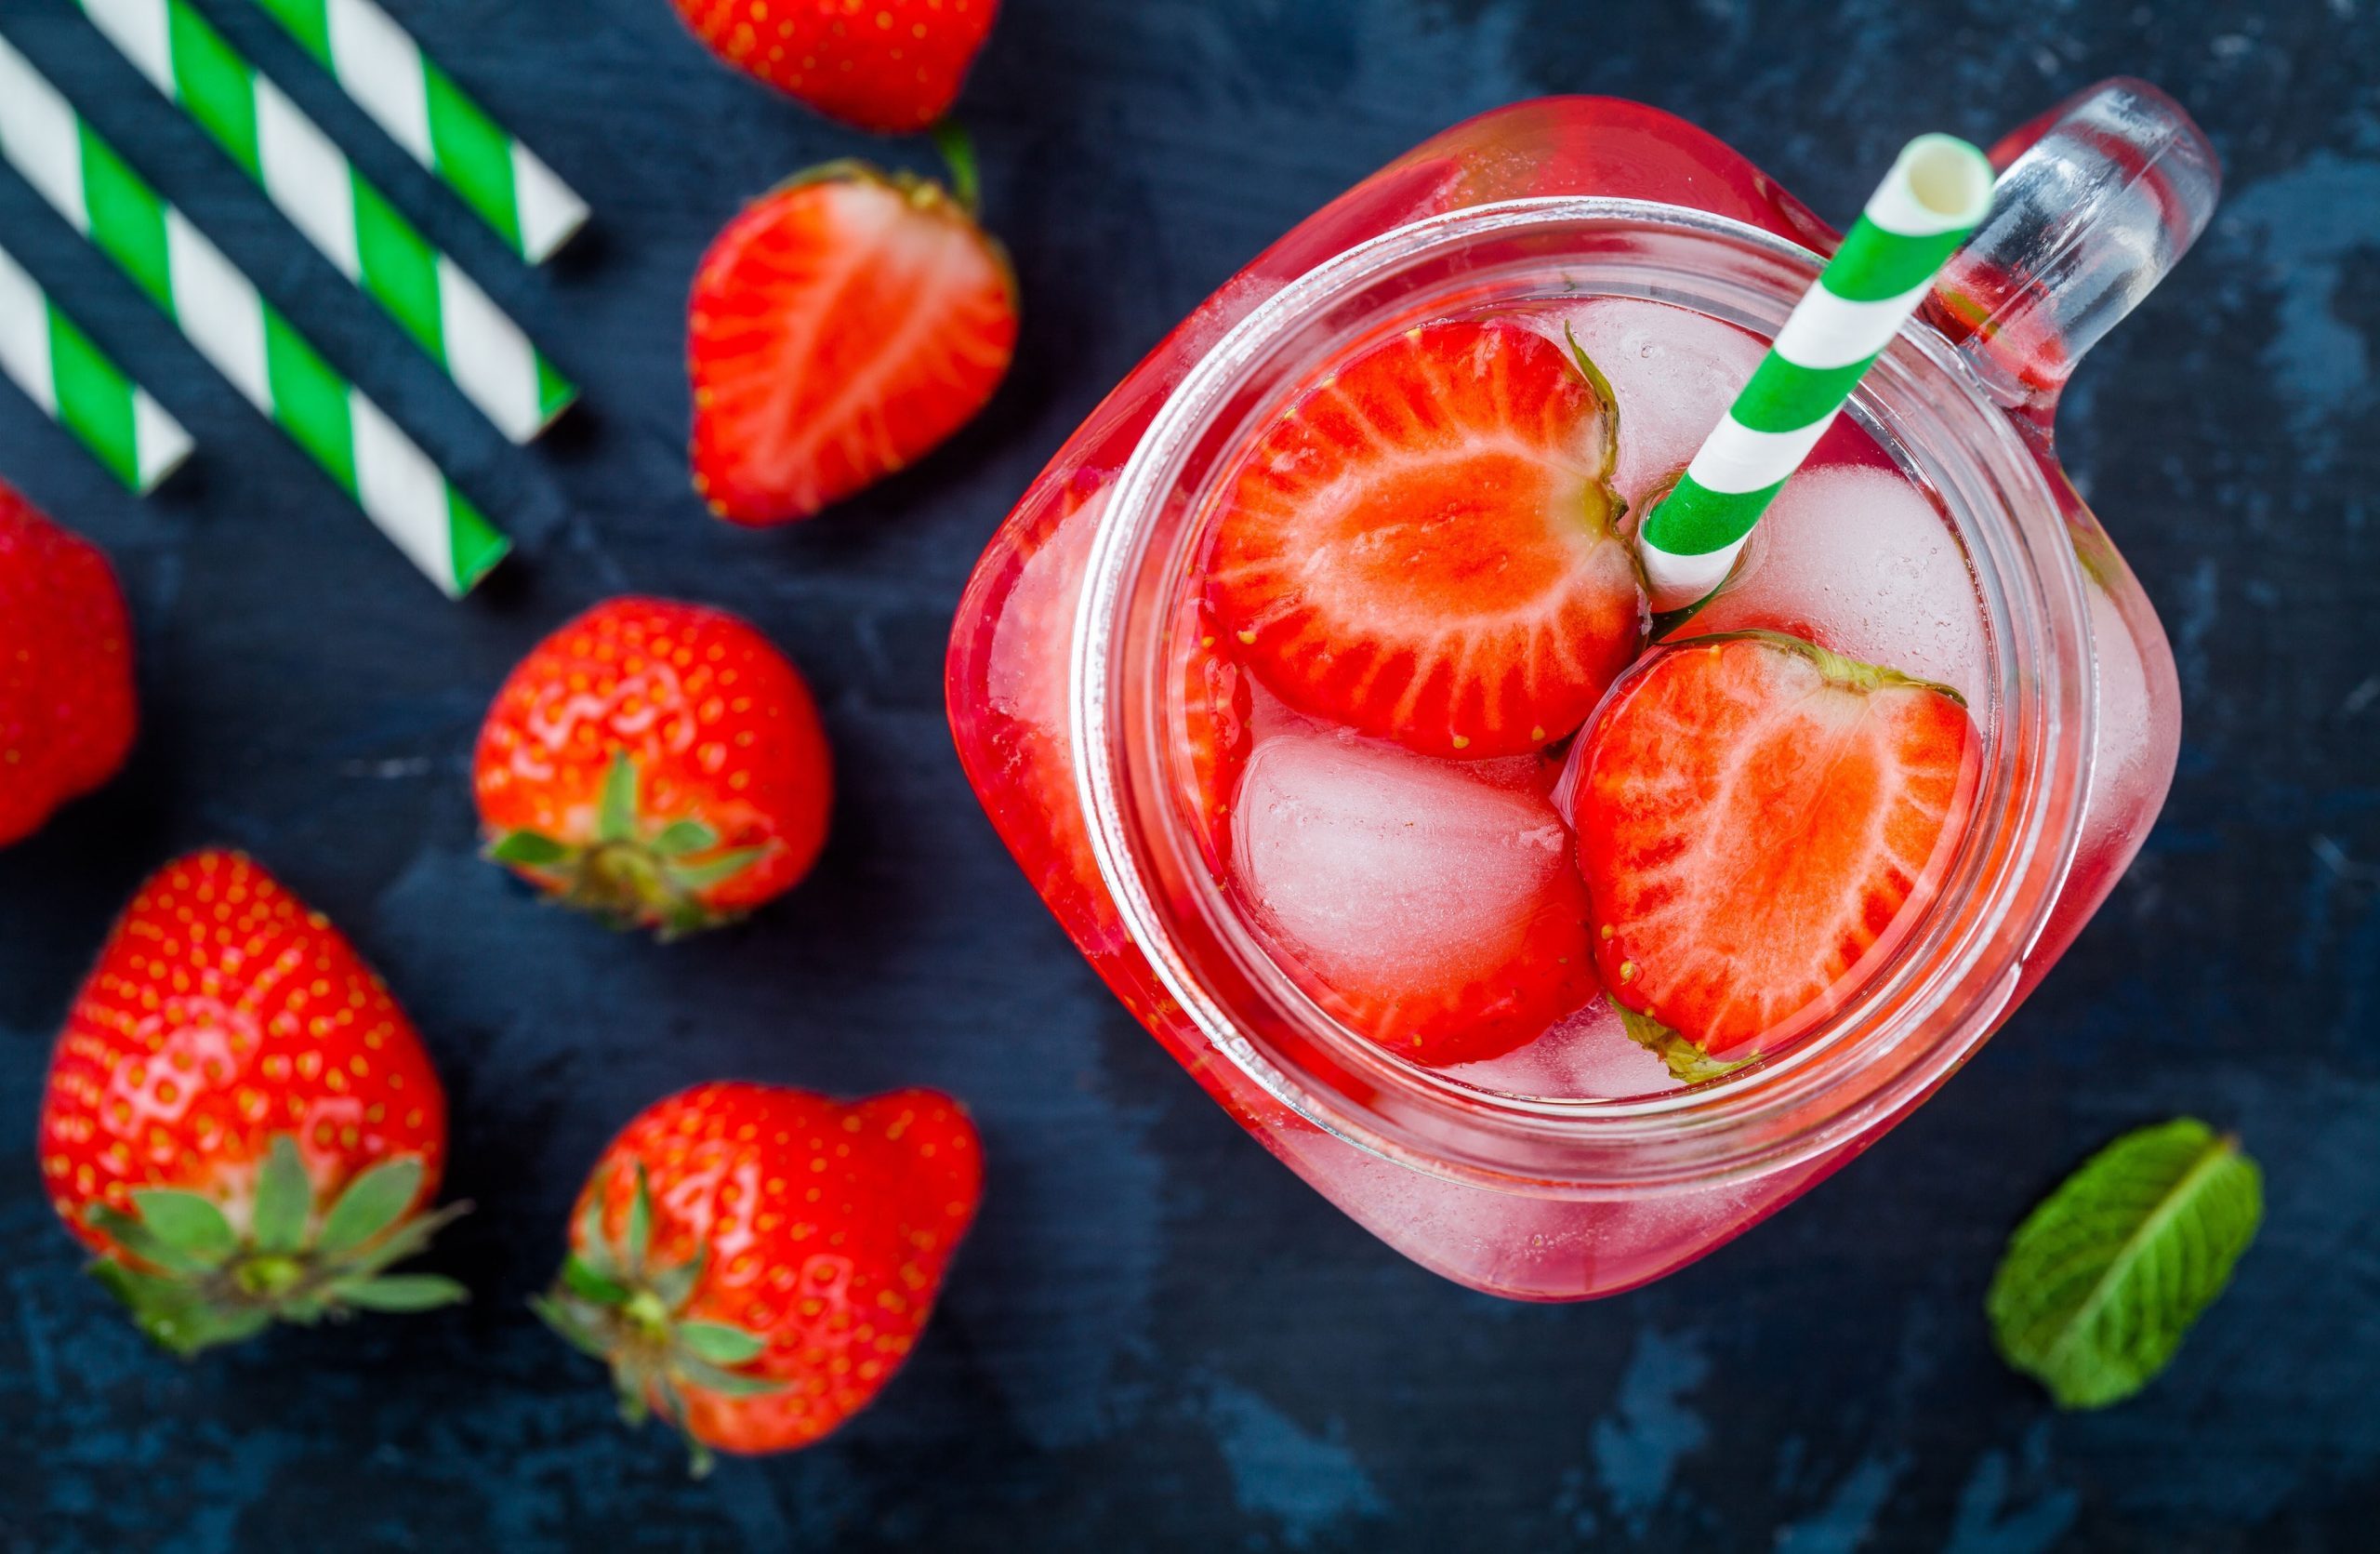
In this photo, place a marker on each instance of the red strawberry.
(754, 1262)
(658, 763)
(1423, 548)
(840, 327)
(239, 1120)
(1759, 822)
(1210, 733)
(67, 710)
(891, 65)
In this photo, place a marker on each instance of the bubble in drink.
(1860, 561)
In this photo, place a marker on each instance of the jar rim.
(1784, 1110)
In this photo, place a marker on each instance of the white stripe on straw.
(1937, 190)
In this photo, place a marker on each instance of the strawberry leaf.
(719, 1343)
(408, 1239)
(727, 1384)
(403, 1292)
(528, 849)
(141, 1240)
(718, 871)
(682, 837)
(188, 1223)
(594, 1248)
(672, 1285)
(585, 1283)
(2105, 1278)
(1610, 402)
(371, 1205)
(1687, 1063)
(564, 1319)
(958, 151)
(616, 813)
(639, 1239)
(285, 1198)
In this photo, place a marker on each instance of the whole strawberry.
(661, 764)
(893, 65)
(754, 1262)
(239, 1120)
(67, 709)
(840, 328)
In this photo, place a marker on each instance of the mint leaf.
(2103, 1280)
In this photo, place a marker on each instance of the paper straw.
(223, 315)
(379, 65)
(62, 371)
(340, 212)
(1937, 191)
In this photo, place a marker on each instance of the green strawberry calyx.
(613, 1302)
(192, 1281)
(635, 874)
(1687, 1063)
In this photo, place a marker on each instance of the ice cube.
(1588, 1057)
(1862, 562)
(1383, 868)
(1673, 372)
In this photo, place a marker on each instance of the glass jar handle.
(2096, 200)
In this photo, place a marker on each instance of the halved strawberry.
(1760, 822)
(1423, 546)
(840, 328)
(1210, 726)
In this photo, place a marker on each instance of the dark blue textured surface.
(1157, 1338)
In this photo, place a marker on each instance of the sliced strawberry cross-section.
(1423, 546)
(840, 328)
(1210, 725)
(1759, 822)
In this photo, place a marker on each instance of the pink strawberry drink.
(1553, 947)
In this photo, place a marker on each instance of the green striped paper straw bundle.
(347, 220)
(62, 371)
(1937, 191)
(379, 65)
(223, 315)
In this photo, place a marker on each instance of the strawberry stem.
(639, 1325)
(191, 1283)
(958, 151)
(636, 874)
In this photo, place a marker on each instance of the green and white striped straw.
(347, 220)
(62, 371)
(419, 106)
(1937, 191)
(221, 314)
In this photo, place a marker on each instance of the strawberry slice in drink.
(1421, 548)
(1211, 726)
(1759, 822)
(1431, 905)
